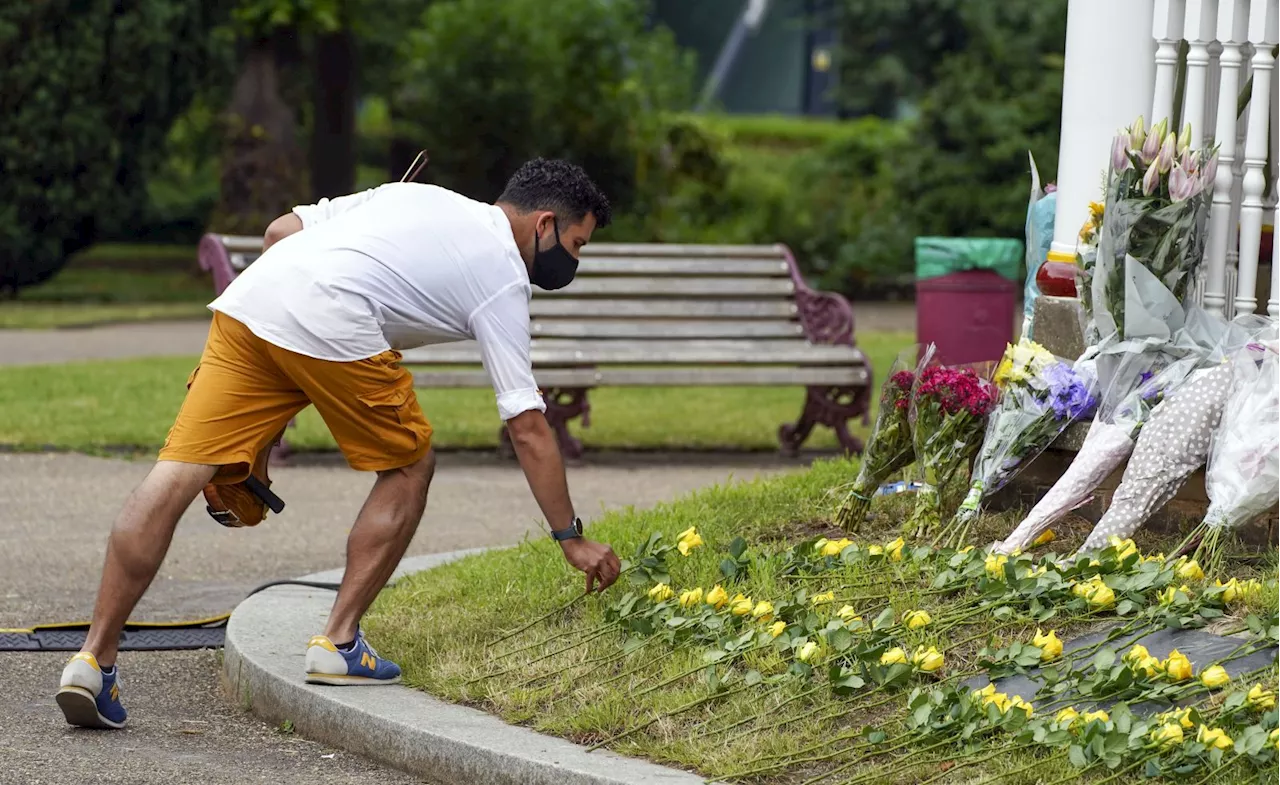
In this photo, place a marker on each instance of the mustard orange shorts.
(244, 391)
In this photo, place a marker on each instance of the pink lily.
(1210, 172)
(1165, 159)
(1151, 148)
(1120, 153)
(1151, 181)
(1180, 184)
(1189, 161)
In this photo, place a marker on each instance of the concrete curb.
(395, 725)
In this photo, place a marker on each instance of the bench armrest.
(827, 317)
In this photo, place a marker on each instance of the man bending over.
(319, 319)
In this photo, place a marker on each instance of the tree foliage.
(89, 92)
(485, 86)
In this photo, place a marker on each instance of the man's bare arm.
(280, 228)
(539, 455)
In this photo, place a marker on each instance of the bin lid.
(936, 256)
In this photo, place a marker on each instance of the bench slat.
(657, 265)
(671, 308)
(661, 377)
(681, 250)
(665, 328)
(572, 353)
(673, 287)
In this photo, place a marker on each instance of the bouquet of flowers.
(889, 449)
(1243, 475)
(1040, 395)
(949, 408)
(1159, 192)
(1109, 441)
(1086, 260)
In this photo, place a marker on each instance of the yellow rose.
(689, 532)
(1123, 547)
(927, 660)
(1170, 595)
(835, 547)
(1138, 652)
(1068, 715)
(1169, 735)
(1261, 699)
(1148, 666)
(848, 614)
(1214, 738)
(689, 542)
(1044, 539)
(894, 549)
(1000, 701)
(777, 628)
(807, 651)
(1018, 703)
(763, 611)
(1189, 571)
(893, 656)
(916, 619)
(1183, 716)
(965, 549)
(660, 592)
(994, 565)
(1273, 738)
(1099, 715)
(1214, 676)
(986, 691)
(1177, 666)
(717, 597)
(1101, 596)
(691, 598)
(1049, 645)
(875, 550)
(741, 606)
(819, 599)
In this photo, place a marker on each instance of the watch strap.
(573, 531)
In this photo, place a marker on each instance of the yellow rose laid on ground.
(893, 656)
(1183, 717)
(1148, 666)
(1214, 738)
(894, 549)
(1261, 699)
(1124, 548)
(763, 611)
(741, 606)
(994, 565)
(819, 599)
(876, 550)
(1177, 666)
(777, 628)
(835, 547)
(848, 614)
(1231, 589)
(1044, 539)
(1214, 676)
(1169, 735)
(1101, 596)
(927, 660)
(916, 620)
(807, 651)
(660, 592)
(1189, 570)
(691, 598)
(1137, 653)
(689, 539)
(1017, 702)
(1099, 715)
(1068, 715)
(717, 597)
(1049, 645)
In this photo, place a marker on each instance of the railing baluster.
(1197, 26)
(1263, 16)
(1166, 28)
(1232, 28)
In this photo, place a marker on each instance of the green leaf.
(729, 569)
(752, 678)
(883, 620)
(1103, 659)
(1125, 607)
(877, 737)
(676, 621)
(921, 715)
(1152, 768)
(1076, 755)
(738, 547)
(841, 639)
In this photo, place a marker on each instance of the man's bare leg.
(139, 541)
(381, 534)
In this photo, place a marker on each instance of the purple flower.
(1069, 395)
(1182, 186)
(1120, 153)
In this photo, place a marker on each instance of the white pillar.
(1108, 43)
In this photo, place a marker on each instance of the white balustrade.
(1166, 28)
(1263, 16)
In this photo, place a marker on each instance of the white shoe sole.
(81, 710)
(335, 680)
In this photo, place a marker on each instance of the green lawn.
(131, 404)
(84, 294)
(508, 632)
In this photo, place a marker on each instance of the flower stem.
(554, 611)
(691, 671)
(686, 707)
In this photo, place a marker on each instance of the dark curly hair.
(558, 186)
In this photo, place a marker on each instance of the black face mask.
(553, 268)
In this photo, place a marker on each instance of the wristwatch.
(574, 531)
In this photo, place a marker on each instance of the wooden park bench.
(662, 316)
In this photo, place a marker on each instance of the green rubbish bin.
(966, 295)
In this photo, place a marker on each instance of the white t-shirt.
(395, 267)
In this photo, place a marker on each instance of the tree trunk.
(333, 139)
(263, 170)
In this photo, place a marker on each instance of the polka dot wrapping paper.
(1170, 446)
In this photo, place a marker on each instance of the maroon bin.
(968, 314)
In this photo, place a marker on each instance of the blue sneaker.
(88, 697)
(327, 664)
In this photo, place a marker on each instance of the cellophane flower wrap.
(949, 409)
(1125, 407)
(1040, 395)
(890, 448)
(1242, 478)
(1159, 192)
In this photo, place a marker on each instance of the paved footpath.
(56, 510)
